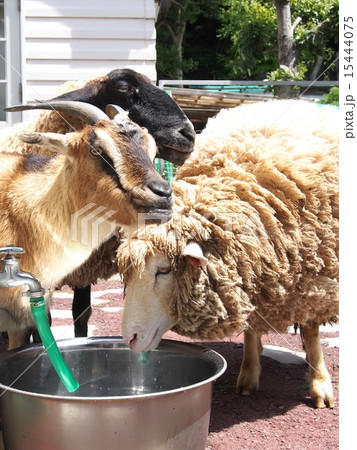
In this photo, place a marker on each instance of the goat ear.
(113, 110)
(87, 94)
(194, 254)
(53, 142)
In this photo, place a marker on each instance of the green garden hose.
(38, 308)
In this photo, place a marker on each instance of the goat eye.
(123, 87)
(162, 271)
(95, 152)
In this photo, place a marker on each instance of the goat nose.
(162, 189)
(188, 132)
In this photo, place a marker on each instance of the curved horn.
(85, 111)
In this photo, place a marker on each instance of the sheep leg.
(248, 379)
(81, 310)
(321, 389)
(19, 338)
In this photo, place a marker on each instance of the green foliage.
(171, 59)
(318, 31)
(168, 59)
(251, 26)
(317, 17)
(332, 98)
(237, 39)
(285, 74)
(204, 48)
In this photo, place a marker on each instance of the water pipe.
(11, 276)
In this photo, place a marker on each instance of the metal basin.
(124, 400)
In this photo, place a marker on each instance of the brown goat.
(105, 164)
(148, 106)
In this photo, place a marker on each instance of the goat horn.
(85, 111)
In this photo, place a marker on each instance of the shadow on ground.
(282, 388)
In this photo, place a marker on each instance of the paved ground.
(279, 416)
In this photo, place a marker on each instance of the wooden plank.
(91, 49)
(201, 115)
(63, 70)
(167, 83)
(90, 28)
(200, 104)
(201, 99)
(81, 39)
(203, 93)
(90, 8)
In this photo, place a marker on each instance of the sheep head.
(151, 294)
(175, 284)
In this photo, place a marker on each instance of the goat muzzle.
(177, 145)
(154, 200)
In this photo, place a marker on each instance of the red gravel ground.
(279, 416)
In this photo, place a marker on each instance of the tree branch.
(171, 31)
(296, 23)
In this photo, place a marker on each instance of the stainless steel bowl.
(124, 401)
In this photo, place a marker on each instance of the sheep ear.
(194, 254)
(53, 142)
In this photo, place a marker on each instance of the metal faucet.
(11, 275)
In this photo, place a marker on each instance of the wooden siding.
(80, 39)
(90, 8)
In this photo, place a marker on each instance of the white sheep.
(105, 166)
(253, 244)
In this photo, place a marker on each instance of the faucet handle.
(11, 250)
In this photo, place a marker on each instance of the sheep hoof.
(322, 403)
(248, 380)
(246, 388)
(319, 403)
(245, 391)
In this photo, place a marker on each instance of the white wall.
(10, 84)
(80, 39)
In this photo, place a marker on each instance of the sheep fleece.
(260, 195)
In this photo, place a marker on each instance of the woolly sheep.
(253, 244)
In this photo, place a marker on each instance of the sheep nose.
(188, 132)
(162, 189)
